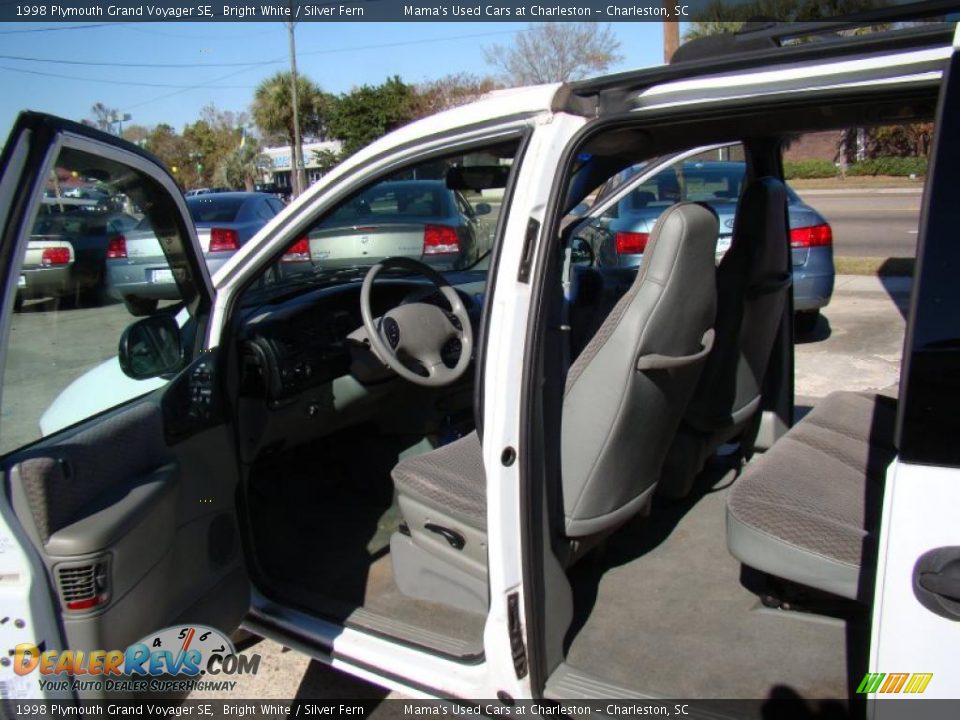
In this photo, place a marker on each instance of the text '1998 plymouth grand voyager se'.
(408, 467)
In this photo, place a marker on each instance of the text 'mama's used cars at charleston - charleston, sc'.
(401, 468)
(137, 272)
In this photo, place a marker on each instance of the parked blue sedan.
(626, 209)
(137, 271)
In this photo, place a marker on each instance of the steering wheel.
(418, 330)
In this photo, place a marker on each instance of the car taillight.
(55, 256)
(440, 240)
(222, 239)
(117, 247)
(631, 243)
(813, 236)
(298, 252)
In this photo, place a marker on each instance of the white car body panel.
(25, 602)
(916, 65)
(919, 514)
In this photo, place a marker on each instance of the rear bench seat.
(808, 510)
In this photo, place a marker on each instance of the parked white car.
(419, 462)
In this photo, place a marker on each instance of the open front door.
(916, 618)
(119, 522)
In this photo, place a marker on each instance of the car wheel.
(804, 322)
(140, 307)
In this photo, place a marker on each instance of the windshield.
(441, 212)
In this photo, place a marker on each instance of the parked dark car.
(67, 252)
(138, 273)
(618, 232)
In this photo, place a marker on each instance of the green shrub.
(896, 166)
(805, 169)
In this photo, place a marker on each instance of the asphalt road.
(870, 223)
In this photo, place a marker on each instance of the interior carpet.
(322, 520)
(662, 610)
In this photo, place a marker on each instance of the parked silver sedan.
(420, 219)
(138, 273)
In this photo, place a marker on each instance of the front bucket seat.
(624, 397)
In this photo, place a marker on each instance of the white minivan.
(503, 480)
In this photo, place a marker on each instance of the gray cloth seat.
(808, 510)
(449, 477)
(752, 284)
(624, 397)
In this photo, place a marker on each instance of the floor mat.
(662, 610)
(322, 520)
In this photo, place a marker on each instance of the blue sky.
(337, 56)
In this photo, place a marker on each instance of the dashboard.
(288, 348)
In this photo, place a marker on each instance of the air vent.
(84, 586)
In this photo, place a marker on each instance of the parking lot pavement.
(858, 341)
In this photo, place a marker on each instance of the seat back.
(629, 387)
(752, 283)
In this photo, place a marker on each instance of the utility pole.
(671, 32)
(296, 176)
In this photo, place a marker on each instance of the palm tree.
(272, 108)
(241, 168)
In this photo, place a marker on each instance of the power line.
(116, 82)
(57, 28)
(404, 43)
(186, 88)
(187, 36)
(245, 67)
(193, 66)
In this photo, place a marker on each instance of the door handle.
(936, 581)
(946, 584)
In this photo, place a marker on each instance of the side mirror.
(482, 209)
(581, 253)
(151, 348)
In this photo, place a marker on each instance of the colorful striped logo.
(913, 683)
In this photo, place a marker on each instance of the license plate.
(22, 281)
(161, 276)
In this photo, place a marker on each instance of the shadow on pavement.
(896, 276)
(821, 331)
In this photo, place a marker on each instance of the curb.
(859, 191)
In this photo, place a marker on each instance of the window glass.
(263, 210)
(211, 208)
(95, 256)
(417, 212)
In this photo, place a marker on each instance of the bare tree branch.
(555, 52)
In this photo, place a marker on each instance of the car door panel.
(131, 512)
(116, 512)
(915, 619)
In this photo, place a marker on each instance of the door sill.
(319, 632)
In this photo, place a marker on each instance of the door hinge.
(517, 649)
